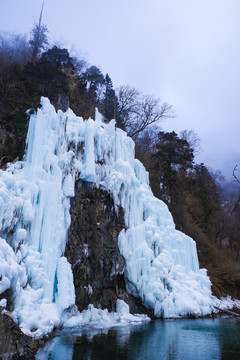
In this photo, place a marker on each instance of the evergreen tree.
(208, 193)
(58, 57)
(39, 38)
(173, 155)
(170, 162)
(110, 102)
(94, 78)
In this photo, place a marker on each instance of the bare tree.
(149, 112)
(145, 146)
(39, 38)
(14, 53)
(236, 175)
(235, 171)
(128, 101)
(138, 112)
(192, 138)
(79, 59)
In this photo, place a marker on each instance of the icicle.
(161, 263)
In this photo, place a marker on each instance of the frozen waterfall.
(161, 263)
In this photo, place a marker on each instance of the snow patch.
(99, 318)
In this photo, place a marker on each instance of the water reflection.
(200, 339)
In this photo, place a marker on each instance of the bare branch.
(192, 138)
(150, 112)
(128, 100)
(237, 179)
(14, 53)
(138, 112)
(234, 173)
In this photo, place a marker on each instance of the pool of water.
(200, 339)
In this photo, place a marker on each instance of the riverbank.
(14, 344)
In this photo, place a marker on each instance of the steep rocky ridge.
(92, 249)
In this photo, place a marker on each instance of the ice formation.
(99, 318)
(161, 263)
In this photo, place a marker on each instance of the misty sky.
(186, 52)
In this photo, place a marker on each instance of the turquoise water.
(200, 339)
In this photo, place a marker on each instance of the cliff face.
(92, 249)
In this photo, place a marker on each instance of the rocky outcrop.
(8, 294)
(92, 249)
(13, 343)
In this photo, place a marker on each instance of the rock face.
(13, 343)
(92, 249)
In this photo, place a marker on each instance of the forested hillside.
(31, 68)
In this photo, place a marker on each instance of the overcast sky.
(186, 52)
